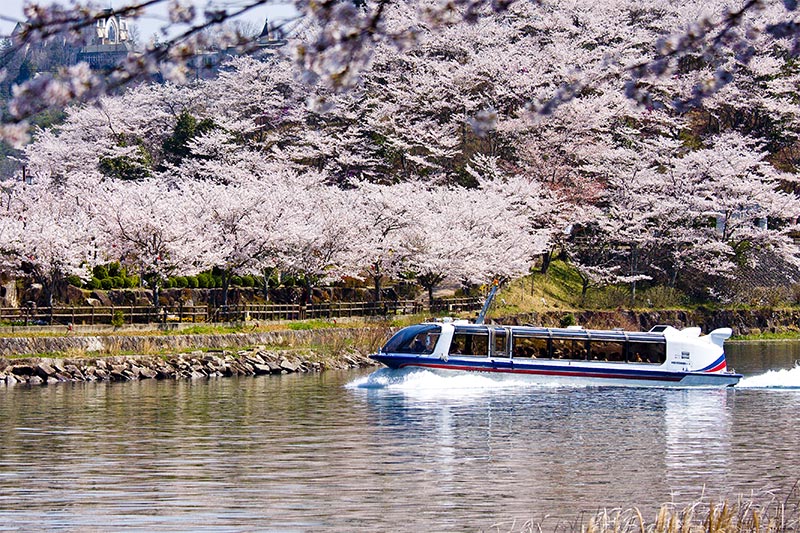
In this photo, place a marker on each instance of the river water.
(408, 451)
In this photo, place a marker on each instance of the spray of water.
(773, 379)
(420, 379)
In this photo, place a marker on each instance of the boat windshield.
(414, 339)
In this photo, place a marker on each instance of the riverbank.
(122, 357)
(331, 339)
(191, 365)
(40, 355)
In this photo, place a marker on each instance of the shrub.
(567, 320)
(106, 284)
(236, 280)
(115, 270)
(248, 281)
(191, 282)
(75, 280)
(216, 282)
(118, 282)
(117, 319)
(203, 280)
(100, 272)
(131, 281)
(180, 282)
(767, 297)
(93, 283)
(612, 297)
(663, 297)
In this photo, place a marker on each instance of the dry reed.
(766, 514)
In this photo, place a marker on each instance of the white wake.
(420, 379)
(773, 379)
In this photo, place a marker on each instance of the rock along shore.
(192, 365)
(84, 360)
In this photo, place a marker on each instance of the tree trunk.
(584, 289)
(266, 286)
(306, 286)
(226, 280)
(547, 258)
(634, 267)
(51, 289)
(156, 287)
(377, 281)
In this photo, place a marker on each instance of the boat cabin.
(524, 342)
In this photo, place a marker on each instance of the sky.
(155, 19)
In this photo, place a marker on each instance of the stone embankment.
(192, 365)
(70, 344)
(92, 357)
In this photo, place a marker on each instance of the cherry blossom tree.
(383, 214)
(154, 229)
(741, 191)
(319, 233)
(468, 235)
(50, 235)
(338, 42)
(470, 139)
(670, 212)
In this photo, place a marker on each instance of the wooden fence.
(131, 314)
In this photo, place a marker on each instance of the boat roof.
(572, 333)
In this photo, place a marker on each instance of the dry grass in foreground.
(772, 515)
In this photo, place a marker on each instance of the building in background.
(109, 45)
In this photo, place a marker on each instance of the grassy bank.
(560, 288)
(768, 336)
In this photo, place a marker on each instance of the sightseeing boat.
(661, 357)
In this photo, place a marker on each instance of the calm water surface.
(413, 452)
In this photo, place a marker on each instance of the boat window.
(414, 339)
(569, 349)
(534, 347)
(470, 344)
(499, 349)
(607, 351)
(647, 352)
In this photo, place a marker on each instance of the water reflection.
(750, 358)
(532, 448)
(698, 430)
